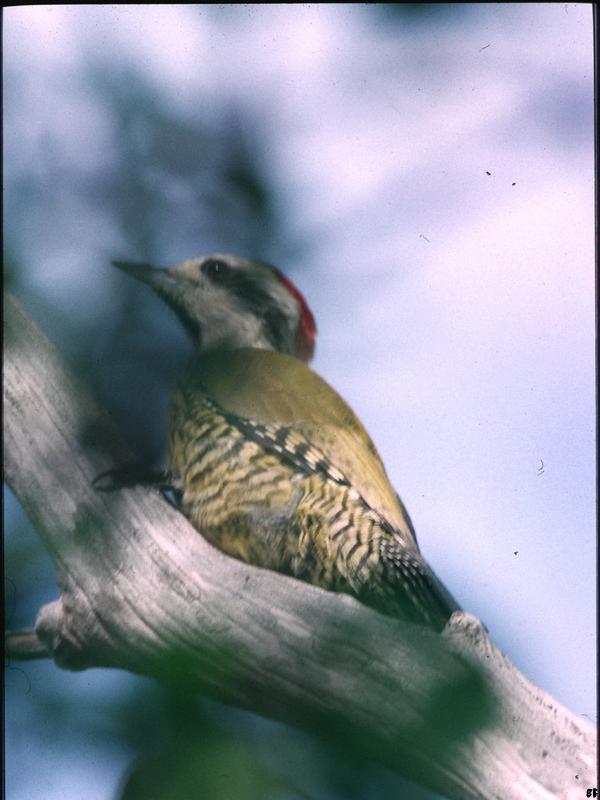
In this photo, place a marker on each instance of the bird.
(265, 459)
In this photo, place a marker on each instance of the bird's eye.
(215, 269)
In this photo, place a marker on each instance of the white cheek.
(222, 327)
(247, 334)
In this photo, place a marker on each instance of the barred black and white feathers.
(299, 480)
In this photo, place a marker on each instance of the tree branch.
(24, 645)
(141, 590)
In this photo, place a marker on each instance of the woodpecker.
(268, 462)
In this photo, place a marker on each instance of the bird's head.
(226, 302)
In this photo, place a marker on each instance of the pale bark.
(141, 590)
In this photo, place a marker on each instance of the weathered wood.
(141, 590)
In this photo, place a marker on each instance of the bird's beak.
(168, 285)
(162, 280)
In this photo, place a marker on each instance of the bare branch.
(24, 645)
(142, 590)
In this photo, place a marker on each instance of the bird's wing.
(276, 390)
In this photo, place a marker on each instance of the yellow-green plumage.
(237, 424)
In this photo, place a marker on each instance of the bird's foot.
(129, 476)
